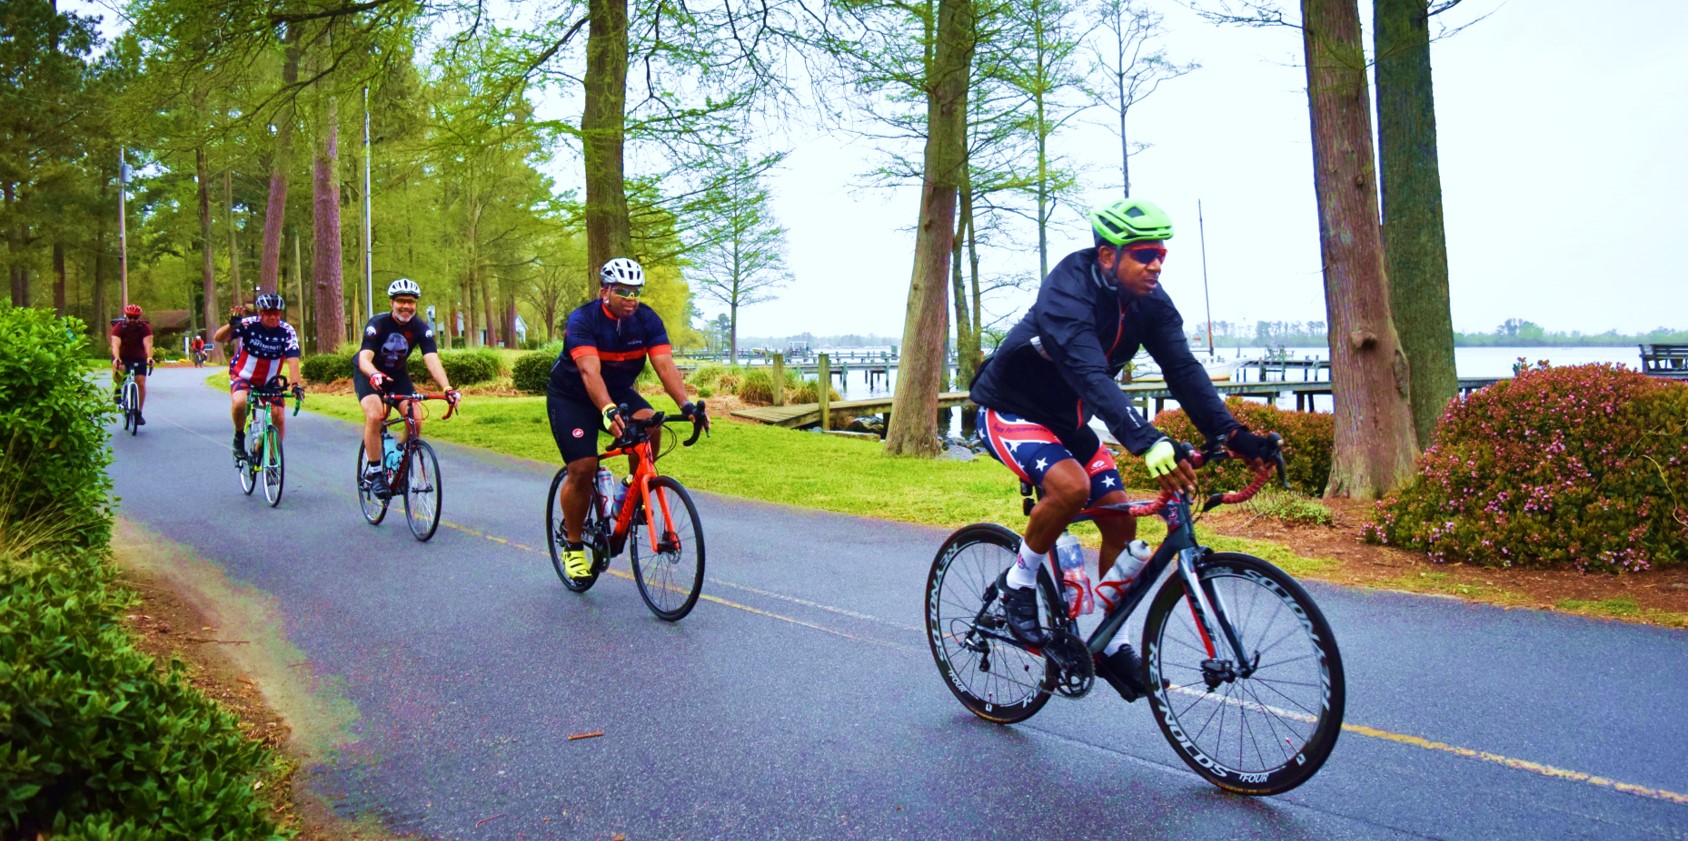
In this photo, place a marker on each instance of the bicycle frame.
(260, 403)
(642, 463)
(406, 406)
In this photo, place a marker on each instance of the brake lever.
(1278, 450)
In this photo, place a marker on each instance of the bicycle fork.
(1212, 620)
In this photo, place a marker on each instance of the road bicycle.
(129, 399)
(199, 357)
(670, 574)
(263, 441)
(1243, 672)
(410, 467)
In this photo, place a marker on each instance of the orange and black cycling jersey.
(621, 346)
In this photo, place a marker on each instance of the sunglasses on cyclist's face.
(131, 318)
(628, 291)
(1146, 254)
(404, 302)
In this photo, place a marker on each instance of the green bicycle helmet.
(1130, 220)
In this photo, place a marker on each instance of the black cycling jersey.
(621, 345)
(392, 343)
(1057, 366)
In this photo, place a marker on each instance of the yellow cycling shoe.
(576, 563)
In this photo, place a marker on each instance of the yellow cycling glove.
(1161, 459)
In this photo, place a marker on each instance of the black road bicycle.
(1244, 676)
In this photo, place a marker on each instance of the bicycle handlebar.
(1214, 452)
(275, 387)
(393, 400)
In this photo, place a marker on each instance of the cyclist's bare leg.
(576, 493)
(279, 418)
(374, 412)
(1116, 532)
(1065, 488)
(141, 380)
(237, 411)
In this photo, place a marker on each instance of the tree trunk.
(59, 274)
(275, 212)
(236, 293)
(1414, 248)
(208, 260)
(1375, 445)
(98, 320)
(15, 237)
(913, 428)
(602, 129)
(326, 270)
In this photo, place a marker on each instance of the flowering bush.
(1583, 466)
(1307, 445)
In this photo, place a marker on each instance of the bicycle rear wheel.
(671, 577)
(248, 467)
(423, 491)
(374, 508)
(995, 680)
(273, 466)
(1265, 733)
(556, 536)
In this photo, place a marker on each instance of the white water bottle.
(1125, 570)
(1075, 584)
(620, 496)
(606, 491)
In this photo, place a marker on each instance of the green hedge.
(1308, 439)
(532, 370)
(53, 444)
(1583, 466)
(462, 367)
(93, 741)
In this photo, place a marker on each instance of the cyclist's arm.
(1185, 377)
(222, 334)
(293, 370)
(116, 354)
(366, 362)
(146, 342)
(431, 361)
(592, 376)
(672, 381)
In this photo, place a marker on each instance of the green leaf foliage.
(462, 367)
(532, 370)
(1583, 466)
(53, 444)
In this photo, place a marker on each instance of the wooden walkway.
(809, 414)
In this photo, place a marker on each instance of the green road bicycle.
(263, 454)
(1242, 670)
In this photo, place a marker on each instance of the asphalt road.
(799, 699)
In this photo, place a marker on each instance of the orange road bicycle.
(656, 522)
(411, 467)
(1242, 670)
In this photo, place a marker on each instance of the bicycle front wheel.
(422, 491)
(273, 468)
(995, 680)
(670, 576)
(374, 508)
(132, 408)
(1263, 733)
(248, 467)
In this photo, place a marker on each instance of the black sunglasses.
(1147, 254)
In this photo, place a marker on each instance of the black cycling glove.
(1251, 446)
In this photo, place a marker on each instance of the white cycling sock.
(1023, 573)
(1119, 641)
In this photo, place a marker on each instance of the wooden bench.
(1665, 360)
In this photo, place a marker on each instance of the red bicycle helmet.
(132, 309)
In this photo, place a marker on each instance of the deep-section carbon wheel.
(423, 491)
(374, 508)
(1265, 733)
(555, 536)
(670, 577)
(272, 466)
(994, 679)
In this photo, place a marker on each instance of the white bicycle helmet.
(403, 286)
(623, 271)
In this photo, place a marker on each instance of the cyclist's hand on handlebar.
(377, 380)
(612, 420)
(694, 412)
(1166, 468)
(1258, 450)
(298, 391)
(452, 395)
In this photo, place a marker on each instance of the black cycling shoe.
(140, 420)
(378, 486)
(239, 447)
(1019, 605)
(1123, 670)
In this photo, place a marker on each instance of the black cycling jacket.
(1057, 366)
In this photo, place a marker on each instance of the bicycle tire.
(424, 491)
(995, 680)
(1259, 735)
(273, 466)
(247, 467)
(555, 536)
(668, 582)
(373, 507)
(131, 408)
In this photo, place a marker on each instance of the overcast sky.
(1563, 126)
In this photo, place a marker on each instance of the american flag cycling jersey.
(261, 351)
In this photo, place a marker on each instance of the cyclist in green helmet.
(1055, 371)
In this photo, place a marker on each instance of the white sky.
(1563, 133)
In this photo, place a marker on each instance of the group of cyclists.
(1053, 372)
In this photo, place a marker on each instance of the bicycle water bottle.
(620, 496)
(606, 492)
(389, 451)
(1125, 570)
(1075, 584)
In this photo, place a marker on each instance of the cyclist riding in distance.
(131, 352)
(1055, 370)
(388, 340)
(265, 342)
(605, 344)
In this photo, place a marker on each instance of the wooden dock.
(809, 414)
(1143, 394)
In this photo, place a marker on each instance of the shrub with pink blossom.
(1583, 466)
